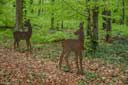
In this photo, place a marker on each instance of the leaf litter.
(24, 69)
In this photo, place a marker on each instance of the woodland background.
(106, 40)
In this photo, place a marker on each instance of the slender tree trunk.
(88, 19)
(109, 26)
(39, 9)
(52, 21)
(104, 14)
(52, 15)
(62, 24)
(19, 14)
(95, 23)
(42, 9)
(92, 26)
(123, 12)
(24, 9)
(62, 16)
(95, 29)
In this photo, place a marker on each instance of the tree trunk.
(104, 14)
(19, 15)
(39, 9)
(52, 21)
(95, 23)
(95, 29)
(92, 27)
(62, 16)
(24, 9)
(109, 26)
(42, 9)
(52, 15)
(88, 20)
(62, 24)
(123, 12)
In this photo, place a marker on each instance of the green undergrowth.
(51, 36)
(114, 53)
(38, 36)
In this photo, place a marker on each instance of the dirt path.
(24, 69)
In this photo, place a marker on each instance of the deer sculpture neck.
(28, 25)
(80, 33)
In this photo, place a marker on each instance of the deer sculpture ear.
(81, 24)
(27, 22)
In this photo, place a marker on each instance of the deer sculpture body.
(23, 35)
(76, 46)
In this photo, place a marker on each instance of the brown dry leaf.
(16, 67)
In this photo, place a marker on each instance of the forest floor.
(23, 68)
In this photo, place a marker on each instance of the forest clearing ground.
(23, 69)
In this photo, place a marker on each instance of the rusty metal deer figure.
(23, 35)
(76, 46)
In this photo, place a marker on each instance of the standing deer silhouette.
(23, 35)
(76, 46)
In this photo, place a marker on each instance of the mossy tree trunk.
(95, 28)
(92, 26)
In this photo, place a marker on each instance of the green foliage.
(63, 10)
(113, 53)
(88, 77)
(5, 34)
(7, 13)
(57, 36)
(66, 68)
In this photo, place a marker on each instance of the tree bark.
(19, 15)
(52, 15)
(92, 26)
(123, 12)
(52, 21)
(104, 14)
(62, 24)
(39, 9)
(109, 26)
(88, 19)
(95, 23)
(94, 39)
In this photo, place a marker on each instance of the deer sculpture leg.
(65, 55)
(77, 61)
(28, 44)
(15, 44)
(80, 59)
(61, 58)
(66, 59)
